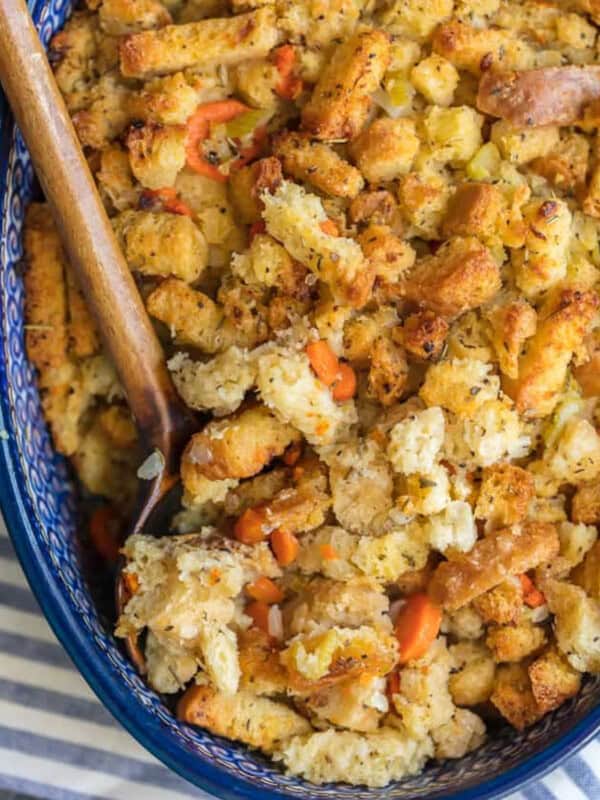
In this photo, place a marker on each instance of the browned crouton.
(473, 210)
(512, 321)
(386, 149)
(115, 179)
(106, 114)
(588, 373)
(468, 47)
(503, 604)
(238, 446)
(118, 17)
(226, 40)
(423, 335)
(587, 574)
(304, 505)
(423, 201)
(515, 642)
(553, 680)
(247, 184)
(585, 506)
(460, 276)
(377, 207)
(543, 368)
(261, 670)
(565, 167)
(341, 100)
(156, 154)
(256, 721)
(317, 164)
(513, 696)
(505, 494)
(389, 256)
(505, 552)
(389, 371)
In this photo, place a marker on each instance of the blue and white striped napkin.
(58, 742)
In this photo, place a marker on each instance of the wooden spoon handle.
(86, 231)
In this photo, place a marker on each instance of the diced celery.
(244, 124)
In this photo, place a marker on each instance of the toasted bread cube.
(156, 154)
(354, 705)
(247, 185)
(341, 100)
(473, 210)
(553, 680)
(512, 321)
(423, 201)
(317, 164)
(256, 721)
(415, 441)
(460, 735)
(303, 506)
(261, 671)
(565, 166)
(227, 40)
(436, 79)
(454, 134)
(235, 447)
(256, 83)
(389, 371)
(118, 17)
(503, 604)
(376, 207)
(170, 100)
(587, 574)
(162, 244)
(386, 149)
(471, 48)
(513, 696)
(107, 114)
(586, 504)
(115, 179)
(389, 256)
(413, 19)
(543, 368)
(423, 335)
(505, 552)
(505, 494)
(576, 624)
(515, 642)
(460, 385)
(520, 146)
(460, 276)
(84, 338)
(472, 678)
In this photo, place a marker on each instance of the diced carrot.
(345, 386)
(265, 590)
(284, 58)
(259, 612)
(417, 626)
(393, 684)
(214, 576)
(329, 227)
(105, 532)
(169, 199)
(249, 528)
(324, 361)
(256, 228)
(198, 127)
(292, 454)
(531, 594)
(132, 582)
(289, 86)
(285, 546)
(328, 552)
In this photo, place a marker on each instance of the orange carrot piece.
(169, 199)
(198, 130)
(292, 454)
(265, 590)
(328, 552)
(105, 532)
(417, 626)
(260, 615)
(289, 86)
(249, 528)
(324, 361)
(285, 546)
(329, 227)
(132, 583)
(345, 386)
(531, 594)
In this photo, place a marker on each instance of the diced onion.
(275, 622)
(152, 467)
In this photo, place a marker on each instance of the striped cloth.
(58, 742)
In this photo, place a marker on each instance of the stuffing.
(386, 149)
(267, 264)
(356, 705)
(505, 494)
(290, 388)
(472, 679)
(168, 668)
(168, 100)
(237, 446)
(553, 680)
(576, 455)
(587, 574)
(389, 256)
(118, 17)
(512, 320)
(156, 154)
(542, 369)
(453, 529)
(423, 199)
(361, 332)
(503, 604)
(341, 100)
(317, 164)
(361, 485)
(373, 759)
(255, 721)
(470, 47)
(149, 241)
(473, 210)
(302, 506)
(106, 112)
(461, 275)
(378, 207)
(515, 642)
(317, 22)
(424, 492)
(520, 146)
(453, 133)
(464, 623)
(340, 555)
(509, 551)
(565, 166)
(411, 18)
(388, 373)
(261, 672)
(513, 696)
(247, 185)
(585, 506)
(199, 44)
(115, 179)
(463, 733)
(295, 218)
(415, 442)
(436, 79)
(543, 263)
(459, 385)
(256, 491)
(576, 624)
(218, 385)
(256, 82)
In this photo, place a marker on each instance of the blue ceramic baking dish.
(38, 502)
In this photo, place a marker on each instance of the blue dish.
(38, 503)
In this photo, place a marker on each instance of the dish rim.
(114, 695)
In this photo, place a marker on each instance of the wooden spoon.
(163, 422)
